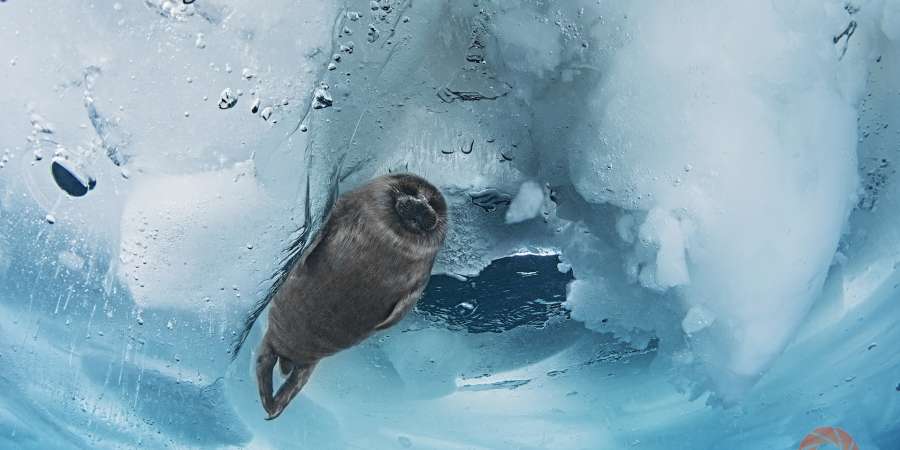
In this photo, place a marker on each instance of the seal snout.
(416, 213)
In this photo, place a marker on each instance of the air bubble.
(70, 178)
(227, 99)
(373, 33)
(200, 42)
(322, 99)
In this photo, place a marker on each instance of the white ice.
(526, 204)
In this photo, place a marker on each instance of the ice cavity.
(737, 156)
(690, 171)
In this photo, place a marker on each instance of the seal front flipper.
(400, 310)
(291, 387)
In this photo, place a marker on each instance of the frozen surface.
(665, 219)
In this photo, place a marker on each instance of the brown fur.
(364, 272)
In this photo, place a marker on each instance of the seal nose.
(417, 211)
(426, 219)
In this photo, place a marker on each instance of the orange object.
(825, 438)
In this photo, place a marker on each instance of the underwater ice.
(673, 225)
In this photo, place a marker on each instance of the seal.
(365, 269)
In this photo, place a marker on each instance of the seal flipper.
(400, 309)
(285, 365)
(291, 387)
(265, 364)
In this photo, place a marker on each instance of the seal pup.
(366, 268)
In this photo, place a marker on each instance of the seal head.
(418, 204)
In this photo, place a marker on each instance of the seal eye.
(416, 214)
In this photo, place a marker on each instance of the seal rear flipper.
(265, 364)
(291, 387)
(285, 365)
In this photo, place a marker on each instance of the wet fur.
(363, 272)
(294, 251)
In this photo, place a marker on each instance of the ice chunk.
(661, 233)
(526, 204)
(176, 227)
(766, 202)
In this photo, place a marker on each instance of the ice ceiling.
(716, 177)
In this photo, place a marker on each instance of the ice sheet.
(719, 177)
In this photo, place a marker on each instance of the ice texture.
(672, 225)
(170, 222)
(746, 176)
